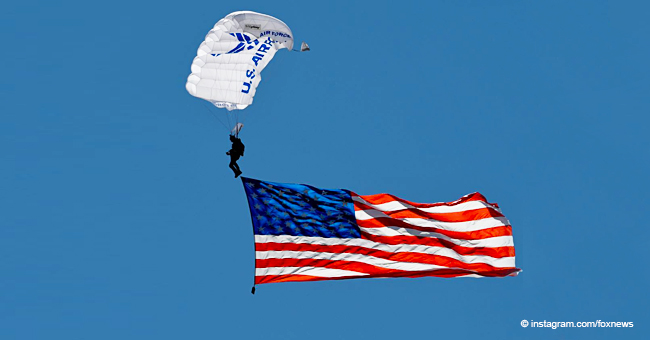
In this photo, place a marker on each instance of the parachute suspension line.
(205, 105)
(232, 119)
(243, 117)
(229, 119)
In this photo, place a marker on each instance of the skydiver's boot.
(235, 168)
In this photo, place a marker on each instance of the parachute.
(228, 65)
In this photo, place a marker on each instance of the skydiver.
(235, 152)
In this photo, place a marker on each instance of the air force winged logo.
(245, 43)
(263, 48)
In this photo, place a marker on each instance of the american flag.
(303, 233)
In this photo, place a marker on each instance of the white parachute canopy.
(226, 70)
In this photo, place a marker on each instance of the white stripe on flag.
(311, 271)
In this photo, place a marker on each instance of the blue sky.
(119, 217)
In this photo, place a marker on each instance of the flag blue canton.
(300, 210)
